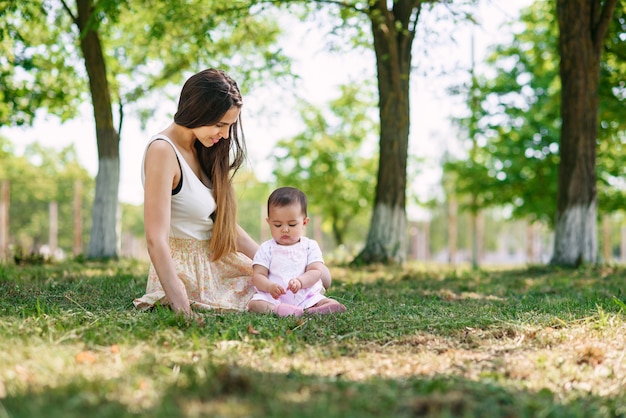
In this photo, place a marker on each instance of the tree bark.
(582, 25)
(77, 247)
(53, 235)
(103, 242)
(607, 248)
(477, 232)
(453, 208)
(531, 233)
(622, 244)
(393, 30)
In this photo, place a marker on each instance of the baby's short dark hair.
(284, 196)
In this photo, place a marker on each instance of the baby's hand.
(276, 290)
(294, 285)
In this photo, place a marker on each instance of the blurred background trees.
(499, 183)
(513, 125)
(334, 161)
(40, 179)
(59, 53)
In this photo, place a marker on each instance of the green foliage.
(40, 176)
(217, 34)
(612, 127)
(35, 69)
(517, 154)
(516, 127)
(332, 160)
(139, 47)
(132, 219)
(39, 74)
(251, 203)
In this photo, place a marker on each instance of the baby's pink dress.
(286, 262)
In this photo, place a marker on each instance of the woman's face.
(211, 134)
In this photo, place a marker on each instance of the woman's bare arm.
(162, 171)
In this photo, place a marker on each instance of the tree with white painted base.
(583, 25)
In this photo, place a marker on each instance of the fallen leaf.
(86, 357)
(252, 331)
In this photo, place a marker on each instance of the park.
(481, 264)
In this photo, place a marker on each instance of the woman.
(200, 257)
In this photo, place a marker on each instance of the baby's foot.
(327, 309)
(288, 310)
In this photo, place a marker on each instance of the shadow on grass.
(91, 305)
(231, 391)
(383, 305)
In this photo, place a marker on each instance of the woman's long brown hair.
(204, 100)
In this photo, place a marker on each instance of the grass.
(416, 342)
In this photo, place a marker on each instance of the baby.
(286, 268)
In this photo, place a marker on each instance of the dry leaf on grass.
(252, 331)
(86, 357)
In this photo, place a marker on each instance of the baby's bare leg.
(326, 306)
(260, 306)
(283, 309)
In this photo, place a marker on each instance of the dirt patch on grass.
(577, 358)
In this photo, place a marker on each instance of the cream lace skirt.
(225, 284)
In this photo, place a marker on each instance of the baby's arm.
(311, 275)
(260, 279)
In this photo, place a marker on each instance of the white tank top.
(192, 206)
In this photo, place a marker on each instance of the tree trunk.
(622, 245)
(103, 242)
(531, 233)
(53, 234)
(477, 233)
(77, 247)
(607, 248)
(582, 26)
(453, 209)
(393, 30)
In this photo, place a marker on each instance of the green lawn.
(415, 342)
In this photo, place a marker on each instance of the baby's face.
(287, 223)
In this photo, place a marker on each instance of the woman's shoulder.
(160, 154)
(160, 144)
(160, 140)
